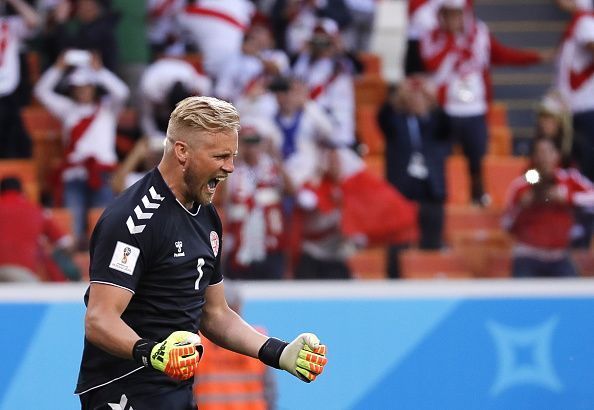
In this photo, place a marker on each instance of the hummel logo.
(140, 214)
(178, 245)
(121, 405)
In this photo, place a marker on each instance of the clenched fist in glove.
(304, 357)
(177, 356)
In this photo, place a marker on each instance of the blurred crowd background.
(379, 139)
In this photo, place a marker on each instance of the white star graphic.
(511, 372)
(121, 405)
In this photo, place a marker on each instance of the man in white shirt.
(328, 75)
(216, 28)
(575, 80)
(164, 83)
(89, 133)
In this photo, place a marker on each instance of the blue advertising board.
(392, 345)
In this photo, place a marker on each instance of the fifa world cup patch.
(124, 258)
(214, 242)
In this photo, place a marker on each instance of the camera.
(78, 58)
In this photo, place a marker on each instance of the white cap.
(553, 103)
(453, 4)
(326, 25)
(82, 76)
(584, 31)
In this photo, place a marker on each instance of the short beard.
(192, 185)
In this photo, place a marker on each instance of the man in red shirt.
(540, 214)
(23, 224)
(458, 54)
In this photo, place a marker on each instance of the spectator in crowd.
(163, 84)
(324, 250)
(328, 74)
(145, 155)
(416, 148)
(247, 75)
(23, 228)
(92, 27)
(89, 122)
(294, 20)
(553, 121)
(539, 214)
(459, 54)
(216, 29)
(301, 124)
(575, 80)
(14, 141)
(256, 233)
(227, 380)
(163, 32)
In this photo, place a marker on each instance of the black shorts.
(131, 393)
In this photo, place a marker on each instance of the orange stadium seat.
(418, 264)
(479, 246)
(369, 263)
(372, 63)
(457, 180)
(368, 130)
(39, 120)
(498, 172)
(497, 115)
(370, 89)
(26, 171)
(467, 217)
(45, 132)
(500, 141)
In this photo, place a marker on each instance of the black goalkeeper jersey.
(148, 243)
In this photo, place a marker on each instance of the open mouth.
(212, 184)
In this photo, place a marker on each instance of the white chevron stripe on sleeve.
(155, 195)
(149, 205)
(134, 229)
(142, 215)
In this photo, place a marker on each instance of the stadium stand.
(418, 264)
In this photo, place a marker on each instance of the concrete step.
(537, 69)
(519, 92)
(524, 117)
(529, 39)
(480, 3)
(521, 77)
(534, 25)
(519, 10)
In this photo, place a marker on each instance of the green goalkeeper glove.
(177, 356)
(304, 357)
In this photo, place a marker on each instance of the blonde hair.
(203, 113)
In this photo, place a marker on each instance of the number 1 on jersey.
(199, 266)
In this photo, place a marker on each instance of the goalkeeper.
(156, 279)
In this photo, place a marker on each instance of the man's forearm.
(113, 336)
(28, 13)
(227, 329)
